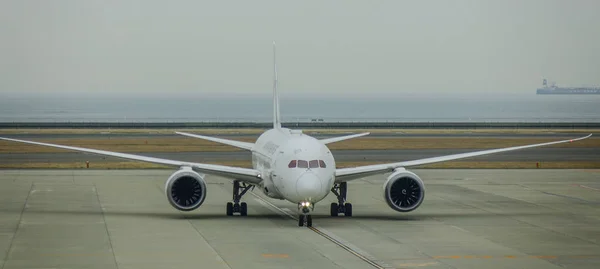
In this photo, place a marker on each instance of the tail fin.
(276, 118)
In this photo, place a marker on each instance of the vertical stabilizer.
(276, 118)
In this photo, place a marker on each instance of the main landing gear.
(340, 190)
(238, 191)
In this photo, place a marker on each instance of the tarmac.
(469, 219)
(529, 155)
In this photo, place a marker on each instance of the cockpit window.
(302, 164)
(292, 164)
(306, 164)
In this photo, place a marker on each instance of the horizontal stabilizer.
(237, 144)
(341, 138)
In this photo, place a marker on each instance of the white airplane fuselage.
(295, 167)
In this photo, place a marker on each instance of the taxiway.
(469, 219)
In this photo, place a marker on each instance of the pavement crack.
(112, 250)
(205, 240)
(12, 240)
(562, 196)
(519, 221)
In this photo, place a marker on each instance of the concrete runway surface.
(469, 219)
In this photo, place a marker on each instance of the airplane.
(290, 165)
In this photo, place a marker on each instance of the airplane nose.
(308, 186)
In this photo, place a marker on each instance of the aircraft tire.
(334, 209)
(229, 209)
(309, 221)
(348, 211)
(300, 220)
(243, 209)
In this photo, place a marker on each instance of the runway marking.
(458, 228)
(541, 257)
(361, 254)
(587, 187)
(417, 264)
(352, 249)
(75, 254)
(267, 255)
(287, 210)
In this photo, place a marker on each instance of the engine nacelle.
(403, 191)
(185, 189)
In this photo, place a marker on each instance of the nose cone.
(308, 187)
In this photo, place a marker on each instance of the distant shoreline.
(301, 125)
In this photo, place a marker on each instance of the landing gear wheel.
(243, 209)
(348, 210)
(230, 209)
(239, 189)
(300, 220)
(340, 190)
(308, 220)
(334, 210)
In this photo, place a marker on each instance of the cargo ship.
(553, 89)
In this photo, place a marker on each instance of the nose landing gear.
(305, 219)
(236, 206)
(340, 190)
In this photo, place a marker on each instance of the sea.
(367, 108)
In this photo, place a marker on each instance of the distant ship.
(553, 89)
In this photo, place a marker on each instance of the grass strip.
(247, 164)
(185, 144)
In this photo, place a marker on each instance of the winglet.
(276, 117)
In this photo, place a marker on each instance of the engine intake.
(404, 191)
(185, 190)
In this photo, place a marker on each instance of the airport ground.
(469, 219)
(383, 145)
(494, 218)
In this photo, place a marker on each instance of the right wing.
(248, 175)
(237, 144)
(347, 174)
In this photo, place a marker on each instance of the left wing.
(248, 175)
(341, 138)
(347, 174)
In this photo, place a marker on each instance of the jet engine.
(185, 189)
(403, 191)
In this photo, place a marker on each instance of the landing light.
(305, 203)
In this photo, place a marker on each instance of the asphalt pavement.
(469, 219)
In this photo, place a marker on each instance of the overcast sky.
(379, 47)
